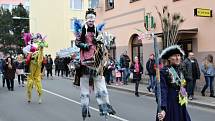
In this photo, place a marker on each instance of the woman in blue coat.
(173, 92)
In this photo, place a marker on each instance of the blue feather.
(77, 26)
(100, 27)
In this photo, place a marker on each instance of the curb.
(193, 102)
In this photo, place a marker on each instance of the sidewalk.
(206, 102)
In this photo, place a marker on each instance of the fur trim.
(169, 50)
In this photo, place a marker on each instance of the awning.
(182, 32)
(67, 52)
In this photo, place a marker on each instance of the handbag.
(19, 71)
(131, 76)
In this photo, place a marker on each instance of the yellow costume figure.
(34, 51)
(34, 78)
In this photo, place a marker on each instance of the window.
(186, 45)
(131, 1)
(72, 23)
(136, 48)
(76, 4)
(5, 6)
(112, 50)
(93, 3)
(109, 4)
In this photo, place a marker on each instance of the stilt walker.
(93, 55)
(34, 52)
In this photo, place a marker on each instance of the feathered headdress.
(100, 27)
(33, 42)
(27, 38)
(77, 26)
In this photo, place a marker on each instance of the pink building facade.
(123, 17)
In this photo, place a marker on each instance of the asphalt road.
(61, 103)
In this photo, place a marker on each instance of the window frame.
(72, 5)
(131, 1)
(175, 0)
(107, 6)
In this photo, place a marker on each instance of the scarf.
(137, 67)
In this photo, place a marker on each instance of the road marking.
(68, 99)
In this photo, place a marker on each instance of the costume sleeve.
(40, 55)
(80, 40)
(164, 88)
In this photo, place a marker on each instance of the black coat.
(9, 73)
(136, 76)
(61, 64)
(150, 67)
(191, 69)
(124, 61)
(169, 97)
(49, 64)
(56, 62)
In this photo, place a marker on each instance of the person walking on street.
(61, 67)
(151, 72)
(9, 73)
(34, 60)
(124, 63)
(208, 69)
(172, 84)
(1, 69)
(89, 46)
(20, 65)
(137, 70)
(191, 74)
(108, 70)
(49, 65)
(56, 62)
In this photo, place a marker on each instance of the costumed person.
(34, 51)
(172, 83)
(92, 60)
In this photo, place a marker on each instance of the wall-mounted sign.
(203, 12)
(149, 22)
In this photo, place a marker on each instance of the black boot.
(203, 93)
(110, 110)
(212, 95)
(137, 94)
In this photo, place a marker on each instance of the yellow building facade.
(53, 18)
